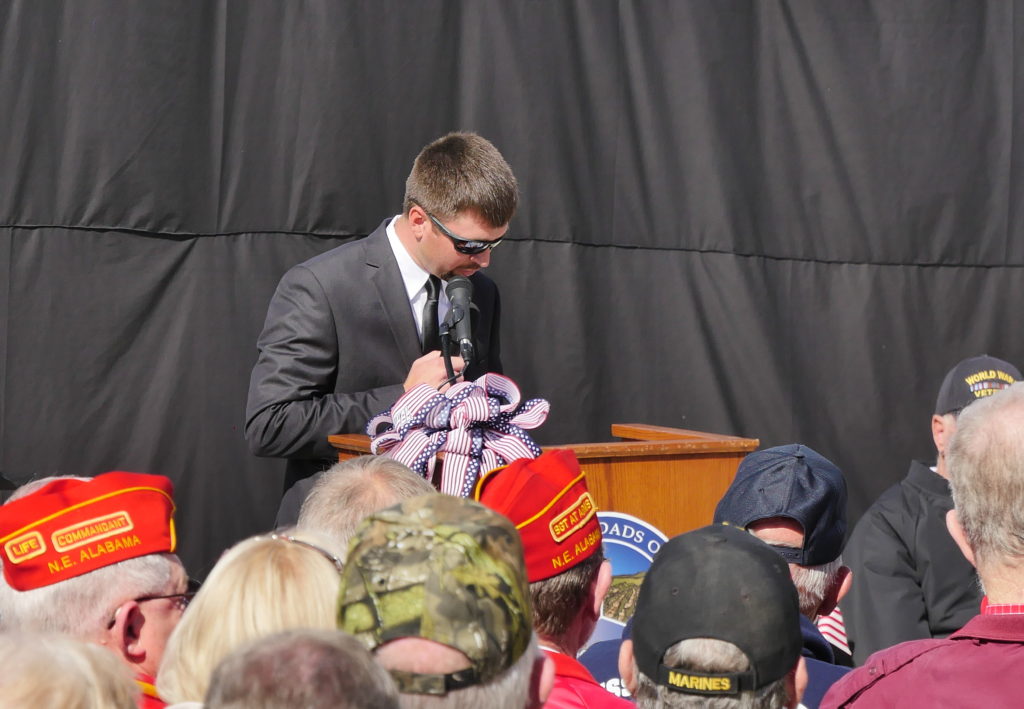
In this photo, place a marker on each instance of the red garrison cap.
(548, 501)
(70, 527)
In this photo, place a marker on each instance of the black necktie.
(431, 338)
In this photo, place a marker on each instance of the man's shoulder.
(903, 500)
(961, 670)
(879, 666)
(572, 692)
(375, 246)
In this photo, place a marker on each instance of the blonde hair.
(259, 587)
(49, 670)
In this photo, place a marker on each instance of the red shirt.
(575, 688)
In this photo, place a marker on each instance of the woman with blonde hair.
(261, 586)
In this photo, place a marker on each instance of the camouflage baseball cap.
(445, 569)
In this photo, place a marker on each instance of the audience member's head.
(349, 491)
(261, 586)
(717, 620)
(50, 670)
(548, 501)
(463, 172)
(312, 669)
(795, 500)
(986, 471)
(436, 588)
(970, 380)
(92, 558)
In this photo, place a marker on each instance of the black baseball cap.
(972, 379)
(718, 582)
(796, 482)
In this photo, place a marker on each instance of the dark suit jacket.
(336, 347)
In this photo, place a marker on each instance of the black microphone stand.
(446, 352)
(454, 317)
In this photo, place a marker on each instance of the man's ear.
(939, 433)
(542, 680)
(840, 587)
(626, 666)
(124, 634)
(418, 220)
(796, 684)
(956, 531)
(599, 589)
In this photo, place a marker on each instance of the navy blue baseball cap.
(795, 482)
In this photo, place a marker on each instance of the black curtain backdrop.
(783, 220)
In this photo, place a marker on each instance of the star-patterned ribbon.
(478, 425)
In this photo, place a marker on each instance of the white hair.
(986, 475)
(49, 670)
(351, 490)
(813, 583)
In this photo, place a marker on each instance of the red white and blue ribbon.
(478, 425)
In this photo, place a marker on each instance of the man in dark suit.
(350, 330)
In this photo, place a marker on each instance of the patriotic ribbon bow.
(479, 426)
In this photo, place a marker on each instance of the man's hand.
(429, 369)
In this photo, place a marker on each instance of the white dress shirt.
(415, 280)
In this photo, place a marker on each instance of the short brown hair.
(558, 600)
(463, 172)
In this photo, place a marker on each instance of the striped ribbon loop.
(478, 425)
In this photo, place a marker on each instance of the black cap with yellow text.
(972, 379)
(722, 583)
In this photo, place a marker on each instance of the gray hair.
(351, 490)
(986, 475)
(315, 669)
(82, 606)
(706, 655)
(812, 582)
(50, 670)
(508, 690)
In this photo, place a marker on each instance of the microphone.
(460, 295)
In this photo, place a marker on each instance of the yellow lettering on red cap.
(25, 547)
(108, 547)
(573, 518)
(60, 564)
(92, 530)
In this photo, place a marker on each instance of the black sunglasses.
(470, 247)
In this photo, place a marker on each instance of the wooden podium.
(671, 478)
